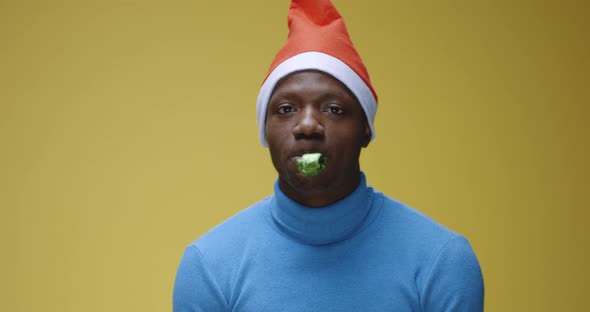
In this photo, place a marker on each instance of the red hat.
(318, 40)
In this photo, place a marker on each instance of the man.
(327, 242)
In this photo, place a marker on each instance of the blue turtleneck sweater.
(366, 252)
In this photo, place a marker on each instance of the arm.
(195, 289)
(455, 282)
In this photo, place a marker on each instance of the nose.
(309, 125)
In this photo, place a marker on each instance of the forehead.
(312, 81)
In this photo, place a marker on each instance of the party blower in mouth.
(311, 164)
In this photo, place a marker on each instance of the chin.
(312, 184)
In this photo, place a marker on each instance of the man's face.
(310, 111)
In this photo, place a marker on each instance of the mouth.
(302, 152)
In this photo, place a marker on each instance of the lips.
(300, 152)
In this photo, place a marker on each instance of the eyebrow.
(331, 95)
(338, 95)
(284, 95)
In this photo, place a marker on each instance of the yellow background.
(127, 129)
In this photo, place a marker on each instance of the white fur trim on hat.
(322, 62)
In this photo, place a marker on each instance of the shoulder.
(400, 220)
(208, 264)
(454, 280)
(235, 229)
(420, 232)
(446, 267)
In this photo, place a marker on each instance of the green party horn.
(311, 164)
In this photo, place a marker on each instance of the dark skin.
(310, 111)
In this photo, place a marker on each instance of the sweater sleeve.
(455, 282)
(195, 288)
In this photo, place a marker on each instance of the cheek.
(346, 142)
(348, 135)
(275, 137)
(276, 131)
(271, 139)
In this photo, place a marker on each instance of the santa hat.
(318, 40)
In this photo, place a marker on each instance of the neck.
(317, 195)
(329, 224)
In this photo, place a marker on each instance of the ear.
(367, 135)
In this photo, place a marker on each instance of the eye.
(336, 110)
(285, 109)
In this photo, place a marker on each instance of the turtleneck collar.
(323, 225)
